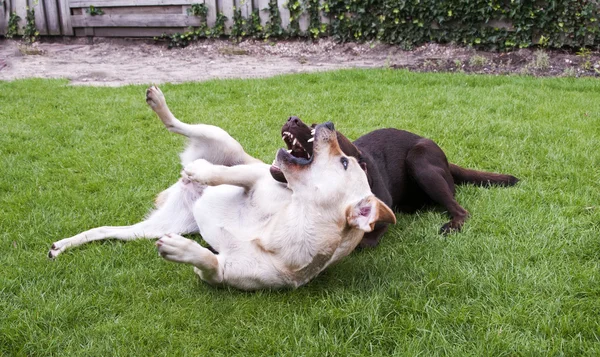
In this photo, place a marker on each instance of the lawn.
(521, 279)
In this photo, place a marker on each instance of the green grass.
(522, 279)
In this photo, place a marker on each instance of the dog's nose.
(329, 125)
(293, 120)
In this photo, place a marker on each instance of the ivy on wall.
(489, 24)
(486, 24)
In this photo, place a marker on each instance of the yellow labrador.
(267, 234)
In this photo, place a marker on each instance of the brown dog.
(406, 171)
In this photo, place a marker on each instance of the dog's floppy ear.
(365, 213)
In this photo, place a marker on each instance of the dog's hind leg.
(428, 166)
(173, 216)
(240, 267)
(207, 142)
(175, 248)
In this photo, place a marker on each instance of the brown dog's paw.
(450, 227)
(368, 243)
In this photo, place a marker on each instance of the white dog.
(267, 234)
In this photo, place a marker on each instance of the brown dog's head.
(298, 138)
(321, 175)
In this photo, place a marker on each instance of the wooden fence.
(129, 18)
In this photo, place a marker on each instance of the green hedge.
(470, 22)
(486, 24)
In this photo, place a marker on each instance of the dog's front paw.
(175, 248)
(155, 98)
(200, 171)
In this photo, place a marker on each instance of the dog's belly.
(229, 216)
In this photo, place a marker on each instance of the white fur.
(268, 234)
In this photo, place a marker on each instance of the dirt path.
(120, 62)
(114, 62)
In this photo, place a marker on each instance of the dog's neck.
(306, 236)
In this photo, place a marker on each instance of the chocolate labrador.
(406, 171)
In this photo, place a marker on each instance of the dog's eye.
(344, 162)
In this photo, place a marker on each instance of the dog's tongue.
(277, 174)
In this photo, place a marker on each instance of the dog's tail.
(463, 176)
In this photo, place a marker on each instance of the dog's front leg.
(371, 239)
(205, 173)
(206, 141)
(156, 100)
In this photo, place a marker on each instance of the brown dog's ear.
(363, 166)
(368, 211)
(347, 147)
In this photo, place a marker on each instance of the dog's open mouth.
(296, 146)
(298, 138)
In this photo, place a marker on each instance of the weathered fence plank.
(134, 20)
(211, 17)
(227, 10)
(284, 13)
(263, 5)
(304, 21)
(129, 31)
(40, 17)
(20, 7)
(65, 17)
(4, 12)
(245, 6)
(52, 17)
(324, 17)
(117, 3)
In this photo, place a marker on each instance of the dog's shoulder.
(386, 140)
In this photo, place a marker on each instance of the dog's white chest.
(226, 214)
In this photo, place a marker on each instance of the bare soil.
(115, 62)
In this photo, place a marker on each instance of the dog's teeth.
(308, 155)
(310, 140)
(289, 151)
(312, 132)
(295, 141)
